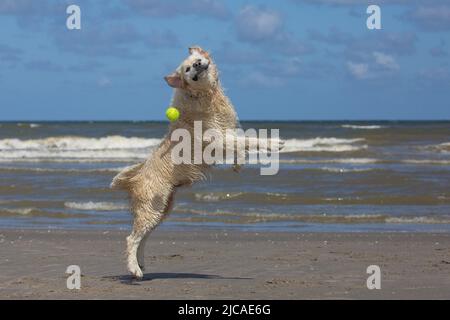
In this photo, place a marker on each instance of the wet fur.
(151, 185)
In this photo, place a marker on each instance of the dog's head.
(196, 73)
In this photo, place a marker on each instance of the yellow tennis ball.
(172, 114)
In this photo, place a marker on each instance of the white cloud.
(358, 70)
(365, 2)
(372, 67)
(172, 8)
(291, 67)
(431, 18)
(258, 24)
(386, 61)
(104, 82)
(263, 26)
(258, 79)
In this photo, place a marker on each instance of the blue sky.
(284, 60)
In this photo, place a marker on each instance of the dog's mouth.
(200, 70)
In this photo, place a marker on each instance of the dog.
(151, 185)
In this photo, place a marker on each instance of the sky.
(278, 60)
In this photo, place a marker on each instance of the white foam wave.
(250, 217)
(110, 147)
(130, 148)
(320, 144)
(427, 161)
(72, 143)
(340, 160)
(96, 206)
(419, 220)
(29, 125)
(370, 127)
(8, 160)
(56, 170)
(18, 211)
(214, 197)
(74, 155)
(345, 170)
(442, 147)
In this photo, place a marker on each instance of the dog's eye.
(188, 69)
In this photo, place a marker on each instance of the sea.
(334, 176)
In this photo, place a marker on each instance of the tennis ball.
(172, 114)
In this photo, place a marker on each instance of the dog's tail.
(124, 178)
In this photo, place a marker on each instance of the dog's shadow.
(128, 279)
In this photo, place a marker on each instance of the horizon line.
(240, 120)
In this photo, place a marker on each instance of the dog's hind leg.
(141, 251)
(144, 222)
(141, 247)
(133, 241)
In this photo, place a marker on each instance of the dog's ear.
(199, 50)
(174, 80)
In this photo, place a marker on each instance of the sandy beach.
(226, 265)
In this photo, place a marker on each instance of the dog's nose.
(197, 64)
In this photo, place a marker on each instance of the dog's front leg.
(249, 146)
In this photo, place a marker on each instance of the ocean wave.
(419, 220)
(441, 148)
(368, 127)
(36, 212)
(96, 206)
(76, 156)
(345, 170)
(366, 161)
(426, 161)
(133, 148)
(217, 196)
(33, 204)
(256, 217)
(125, 160)
(339, 160)
(279, 198)
(57, 170)
(74, 143)
(72, 147)
(19, 211)
(29, 125)
(320, 144)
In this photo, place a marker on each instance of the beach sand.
(226, 265)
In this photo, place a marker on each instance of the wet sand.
(226, 265)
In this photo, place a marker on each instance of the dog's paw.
(141, 260)
(135, 271)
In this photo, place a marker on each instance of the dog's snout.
(197, 64)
